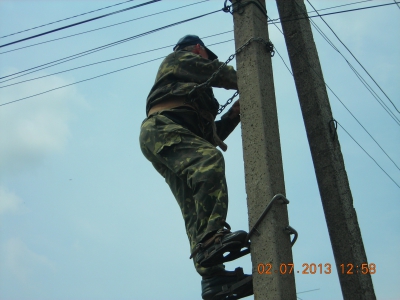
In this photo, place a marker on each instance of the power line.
(346, 109)
(308, 291)
(354, 9)
(112, 59)
(63, 86)
(326, 8)
(354, 57)
(104, 27)
(139, 36)
(397, 3)
(375, 95)
(272, 20)
(276, 21)
(100, 28)
(90, 51)
(101, 75)
(369, 155)
(79, 23)
(305, 292)
(362, 126)
(349, 133)
(115, 43)
(353, 116)
(363, 81)
(63, 19)
(346, 106)
(84, 66)
(287, 67)
(348, 4)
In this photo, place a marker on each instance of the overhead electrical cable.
(362, 125)
(272, 22)
(278, 20)
(113, 59)
(347, 131)
(64, 19)
(398, 5)
(287, 67)
(347, 4)
(84, 66)
(63, 86)
(104, 27)
(363, 81)
(82, 14)
(308, 291)
(115, 43)
(368, 154)
(72, 35)
(94, 77)
(90, 51)
(337, 97)
(354, 57)
(79, 23)
(326, 8)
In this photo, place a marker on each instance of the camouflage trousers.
(195, 172)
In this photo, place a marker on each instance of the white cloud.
(35, 127)
(9, 202)
(22, 262)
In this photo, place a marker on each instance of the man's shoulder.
(176, 61)
(181, 56)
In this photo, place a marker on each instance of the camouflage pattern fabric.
(181, 71)
(181, 144)
(195, 172)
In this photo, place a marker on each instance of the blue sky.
(83, 215)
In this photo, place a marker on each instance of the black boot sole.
(216, 253)
(238, 290)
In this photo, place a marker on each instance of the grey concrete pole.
(337, 201)
(262, 157)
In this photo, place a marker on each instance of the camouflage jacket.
(179, 73)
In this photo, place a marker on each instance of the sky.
(83, 215)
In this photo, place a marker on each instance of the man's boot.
(227, 285)
(213, 251)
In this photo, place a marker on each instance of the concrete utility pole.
(337, 201)
(262, 155)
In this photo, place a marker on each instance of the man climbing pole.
(179, 137)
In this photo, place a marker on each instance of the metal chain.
(229, 101)
(270, 48)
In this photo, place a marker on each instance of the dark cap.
(189, 40)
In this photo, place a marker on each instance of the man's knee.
(212, 161)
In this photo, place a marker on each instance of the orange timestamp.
(312, 268)
(358, 269)
(289, 268)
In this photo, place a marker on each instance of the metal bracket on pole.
(290, 230)
(266, 210)
(238, 7)
(333, 128)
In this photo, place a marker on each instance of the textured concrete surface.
(328, 161)
(262, 156)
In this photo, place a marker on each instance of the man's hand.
(234, 110)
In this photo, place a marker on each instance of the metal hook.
(290, 230)
(227, 8)
(333, 128)
(264, 213)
